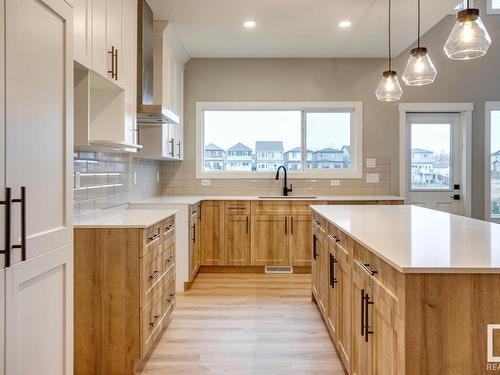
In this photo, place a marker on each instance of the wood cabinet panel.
(269, 240)
(237, 240)
(361, 359)
(212, 232)
(343, 306)
(299, 241)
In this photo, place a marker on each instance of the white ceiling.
(295, 28)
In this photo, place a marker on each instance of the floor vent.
(279, 269)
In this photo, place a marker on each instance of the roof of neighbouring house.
(496, 153)
(297, 149)
(421, 151)
(329, 150)
(346, 147)
(269, 146)
(212, 147)
(239, 147)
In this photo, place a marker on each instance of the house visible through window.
(241, 138)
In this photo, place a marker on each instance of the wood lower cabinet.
(124, 295)
(299, 240)
(269, 240)
(386, 322)
(212, 232)
(237, 240)
(195, 247)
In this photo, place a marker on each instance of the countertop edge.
(126, 226)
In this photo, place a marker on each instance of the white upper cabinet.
(105, 83)
(82, 32)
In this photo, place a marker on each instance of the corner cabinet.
(36, 117)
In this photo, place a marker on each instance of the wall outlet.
(372, 178)
(157, 176)
(135, 178)
(371, 163)
(334, 182)
(206, 182)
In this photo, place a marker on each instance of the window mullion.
(303, 153)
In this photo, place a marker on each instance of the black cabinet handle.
(156, 318)
(152, 238)
(315, 255)
(248, 224)
(367, 268)
(362, 312)
(155, 274)
(170, 258)
(367, 328)
(286, 225)
(7, 209)
(333, 279)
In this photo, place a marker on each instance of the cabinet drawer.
(151, 238)
(384, 279)
(169, 254)
(151, 322)
(237, 207)
(341, 240)
(152, 272)
(169, 295)
(319, 224)
(168, 227)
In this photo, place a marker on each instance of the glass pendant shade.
(389, 89)
(419, 70)
(468, 39)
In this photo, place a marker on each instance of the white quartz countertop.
(188, 199)
(419, 240)
(122, 218)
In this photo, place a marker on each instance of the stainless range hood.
(148, 112)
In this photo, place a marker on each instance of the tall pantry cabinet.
(36, 142)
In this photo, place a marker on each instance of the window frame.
(356, 109)
(489, 107)
(490, 9)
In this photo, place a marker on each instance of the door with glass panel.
(434, 175)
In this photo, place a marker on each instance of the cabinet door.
(344, 298)
(114, 30)
(333, 286)
(388, 339)
(300, 240)
(128, 68)
(324, 282)
(39, 122)
(237, 240)
(269, 240)
(315, 263)
(101, 56)
(361, 358)
(194, 246)
(212, 232)
(39, 314)
(82, 10)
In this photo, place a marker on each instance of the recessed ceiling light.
(344, 24)
(249, 24)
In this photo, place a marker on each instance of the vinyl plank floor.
(245, 324)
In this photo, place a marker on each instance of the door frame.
(465, 112)
(489, 106)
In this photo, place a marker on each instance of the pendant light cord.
(390, 59)
(418, 23)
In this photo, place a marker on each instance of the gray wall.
(344, 80)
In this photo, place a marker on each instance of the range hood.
(149, 113)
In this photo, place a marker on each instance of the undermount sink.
(288, 197)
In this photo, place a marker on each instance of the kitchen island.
(407, 290)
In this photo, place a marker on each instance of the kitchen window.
(492, 161)
(251, 140)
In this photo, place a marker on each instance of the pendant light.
(389, 89)
(419, 70)
(468, 39)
